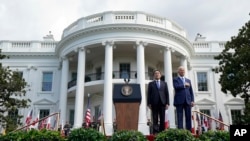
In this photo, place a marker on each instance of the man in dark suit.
(158, 101)
(183, 98)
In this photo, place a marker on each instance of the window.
(74, 75)
(206, 111)
(124, 70)
(174, 74)
(43, 113)
(150, 73)
(97, 113)
(202, 81)
(47, 81)
(13, 115)
(20, 73)
(98, 73)
(71, 116)
(235, 114)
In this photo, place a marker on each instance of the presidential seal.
(126, 90)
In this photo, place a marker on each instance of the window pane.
(43, 113)
(206, 111)
(235, 115)
(71, 116)
(47, 81)
(74, 75)
(202, 81)
(150, 73)
(97, 113)
(13, 115)
(98, 73)
(124, 70)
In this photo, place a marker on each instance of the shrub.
(32, 135)
(127, 135)
(215, 136)
(86, 134)
(175, 135)
(12, 136)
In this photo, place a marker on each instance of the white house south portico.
(146, 41)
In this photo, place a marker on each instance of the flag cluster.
(204, 123)
(46, 123)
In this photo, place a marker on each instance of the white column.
(184, 64)
(142, 125)
(79, 99)
(64, 89)
(169, 80)
(108, 88)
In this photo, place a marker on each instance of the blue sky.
(217, 20)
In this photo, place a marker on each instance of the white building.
(94, 50)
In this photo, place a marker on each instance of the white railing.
(118, 17)
(28, 46)
(209, 47)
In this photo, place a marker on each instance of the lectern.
(127, 99)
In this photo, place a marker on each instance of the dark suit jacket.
(155, 94)
(182, 94)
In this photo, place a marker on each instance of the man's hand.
(187, 84)
(192, 104)
(166, 107)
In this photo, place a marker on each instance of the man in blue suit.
(158, 101)
(183, 98)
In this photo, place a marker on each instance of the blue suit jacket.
(182, 94)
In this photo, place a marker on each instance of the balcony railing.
(126, 17)
(116, 75)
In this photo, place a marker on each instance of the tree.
(12, 92)
(234, 65)
(234, 69)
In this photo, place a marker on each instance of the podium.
(127, 99)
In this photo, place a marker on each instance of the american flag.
(198, 130)
(221, 119)
(29, 117)
(48, 123)
(88, 114)
(166, 119)
(35, 122)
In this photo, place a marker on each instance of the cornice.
(125, 27)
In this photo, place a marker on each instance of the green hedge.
(128, 135)
(86, 134)
(175, 135)
(215, 136)
(33, 135)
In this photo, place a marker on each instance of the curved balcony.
(116, 75)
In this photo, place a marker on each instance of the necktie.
(158, 84)
(183, 80)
